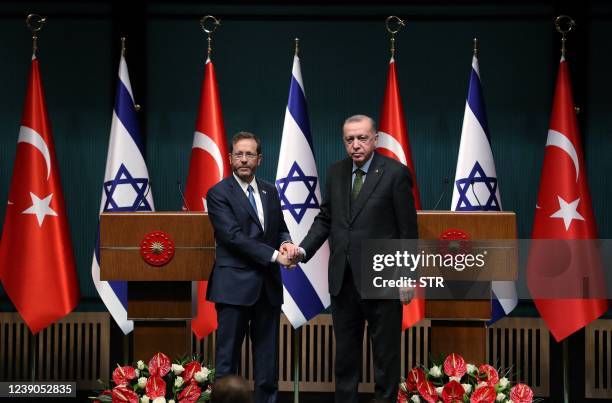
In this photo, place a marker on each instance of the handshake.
(289, 255)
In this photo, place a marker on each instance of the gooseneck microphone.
(180, 189)
(446, 182)
(474, 193)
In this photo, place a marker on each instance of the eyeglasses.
(249, 156)
(360, 139)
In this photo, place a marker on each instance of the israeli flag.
(305, 288)
(126, 188)
(475, 187)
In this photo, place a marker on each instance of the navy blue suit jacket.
(244, 250)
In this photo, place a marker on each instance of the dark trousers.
(349, 313)
(264, 321)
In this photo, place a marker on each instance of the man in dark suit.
(246, 283)
(368, 196)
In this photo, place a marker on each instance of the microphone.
(180, 189)
(446, 182)
(149, 182)
(474, 193)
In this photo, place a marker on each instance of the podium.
(458, 326)
(134, 247)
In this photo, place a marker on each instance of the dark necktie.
(357, 183)
(252, 198)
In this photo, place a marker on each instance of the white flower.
(202, 375)
(145, 399)
(178, 382)
(171, 401)
(142, 382)
(137, 372)
(467, 387)
(439, 390)
(140, 365)
(500, 397)
(504, 382)
(454, 378)
(435, 371)
(481, 384)
(177, 369)
(471, 368)
(159, 400)
(415, 399)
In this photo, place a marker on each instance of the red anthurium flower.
(123, 394)
(488, 374)
(190, 394)
(454, 365)
(427, 390)
(485, 394)
(521, 393)
(415, 376)
(402, 395)
(453, 392)
(190, 370)
(156, 387)
(159, 365)
(123, 375)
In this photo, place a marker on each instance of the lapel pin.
(263, 191)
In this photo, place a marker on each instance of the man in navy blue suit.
(246, 282)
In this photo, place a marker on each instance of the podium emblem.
(157, 248)
(454, 241)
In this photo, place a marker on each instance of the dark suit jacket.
(384, 209)
(243, 252)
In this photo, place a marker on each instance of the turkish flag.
(208, 165)
(564, 272)
(393, 142)
(36, 259)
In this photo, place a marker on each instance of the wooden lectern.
(159, 297)
(458, 326)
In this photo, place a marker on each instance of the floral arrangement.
(184, 381)
(458, 382)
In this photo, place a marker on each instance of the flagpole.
(296, 332)
(34, 23)
(564, 24)
(123, 54)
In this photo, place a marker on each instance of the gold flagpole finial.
(394, 25)
(475, 47)
(297, 46)
(564, 24)
(35, 22)
(123, 49)
(209, 25)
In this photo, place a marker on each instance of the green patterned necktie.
(357, 183)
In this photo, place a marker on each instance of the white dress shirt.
(244, 186)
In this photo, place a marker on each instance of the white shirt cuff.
(274, 256)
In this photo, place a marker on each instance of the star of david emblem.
(126, 193)
(465, 185)
(298, 181)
